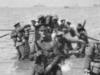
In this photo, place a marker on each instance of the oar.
(12, 30)
(84, 23)
(6, 29)
(93, 38)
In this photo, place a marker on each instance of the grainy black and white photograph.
(49, 37)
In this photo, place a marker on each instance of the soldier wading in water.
(48, 53)
(20, 36)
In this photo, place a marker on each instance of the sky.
(30, 3)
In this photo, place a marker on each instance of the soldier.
(62, 25)
(68, 35)
(69, 32)
(17, 36)
(82, 35)
(34, 31)
(48, 54)
(41, 22)
(26, 34)
(48, 22)
(33, 23)
(92, 59)
(55, 23)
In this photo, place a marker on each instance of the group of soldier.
(52, 44)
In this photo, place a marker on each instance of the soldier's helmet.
(55, 17)
(27, 27)
(33, 21)
(79, 26)
(41, 19)
(17, 24)
(68, 23)
(62, 20)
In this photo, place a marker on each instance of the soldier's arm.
(73, 40)
(13, 34)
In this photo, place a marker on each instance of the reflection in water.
(8, 60)
(66, 66)
(21, 68)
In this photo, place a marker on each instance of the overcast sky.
(30, 3)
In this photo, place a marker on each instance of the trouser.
(21, 53)
(27, 49)
(42, 70)
(79, 45)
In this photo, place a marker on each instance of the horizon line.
(66, 6)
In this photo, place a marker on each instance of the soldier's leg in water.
(85, 39)
(82, 49)
(27, 50)
(22, 51)
(88, 58)
(19, 53)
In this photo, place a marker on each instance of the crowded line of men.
(20, 34)
(46, 29)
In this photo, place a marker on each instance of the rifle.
(84, 23)
(31, 32)
(93, 38)
(4, 35)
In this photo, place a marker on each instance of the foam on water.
(11, 70)
(66, 66)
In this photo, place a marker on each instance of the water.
(8, 54)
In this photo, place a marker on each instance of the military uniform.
(55, 24)
(49, 54)
(26, 38)
(17, 36)
(82, 35)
